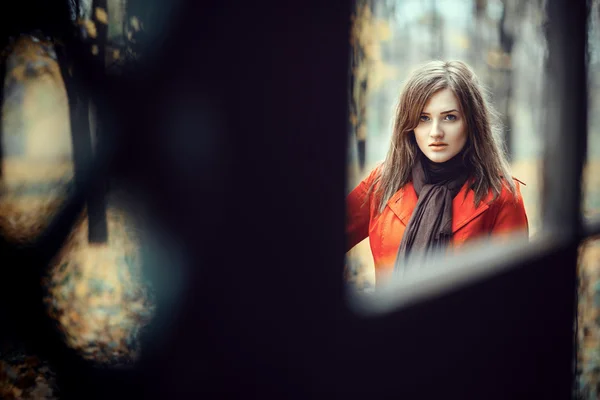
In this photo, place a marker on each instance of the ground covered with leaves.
(25, 376)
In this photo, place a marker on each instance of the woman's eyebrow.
(443, 112)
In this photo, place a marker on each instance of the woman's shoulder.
(511, 193)
(374, 173)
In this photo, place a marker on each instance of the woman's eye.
(451, 117)
(424, 118)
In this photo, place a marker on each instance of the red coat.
(504, 215)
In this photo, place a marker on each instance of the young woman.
(445, 179)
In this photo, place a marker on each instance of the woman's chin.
(439, 156)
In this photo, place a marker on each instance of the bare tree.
(361, 35)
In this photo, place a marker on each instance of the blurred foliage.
(95, 292)
(588, 321)
(588, 334)
(25, 377)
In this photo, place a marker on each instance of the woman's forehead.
(442, 100)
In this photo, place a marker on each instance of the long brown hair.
(483, 151)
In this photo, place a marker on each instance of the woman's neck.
(447, 170)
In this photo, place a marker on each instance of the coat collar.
(404, 201)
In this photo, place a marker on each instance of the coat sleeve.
(511, 218)
(358, 211)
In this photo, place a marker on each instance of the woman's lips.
(438, 147)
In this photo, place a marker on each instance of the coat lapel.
(404, 202)
(464, 211)
(463, 207)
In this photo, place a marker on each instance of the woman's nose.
(436, 130)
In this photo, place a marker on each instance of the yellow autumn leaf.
(101, 15)
(89, 27)
(382, 29)
(379, 73)
(361, 132)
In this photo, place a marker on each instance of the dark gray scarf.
(430, 226)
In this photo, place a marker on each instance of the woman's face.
(442, 130)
